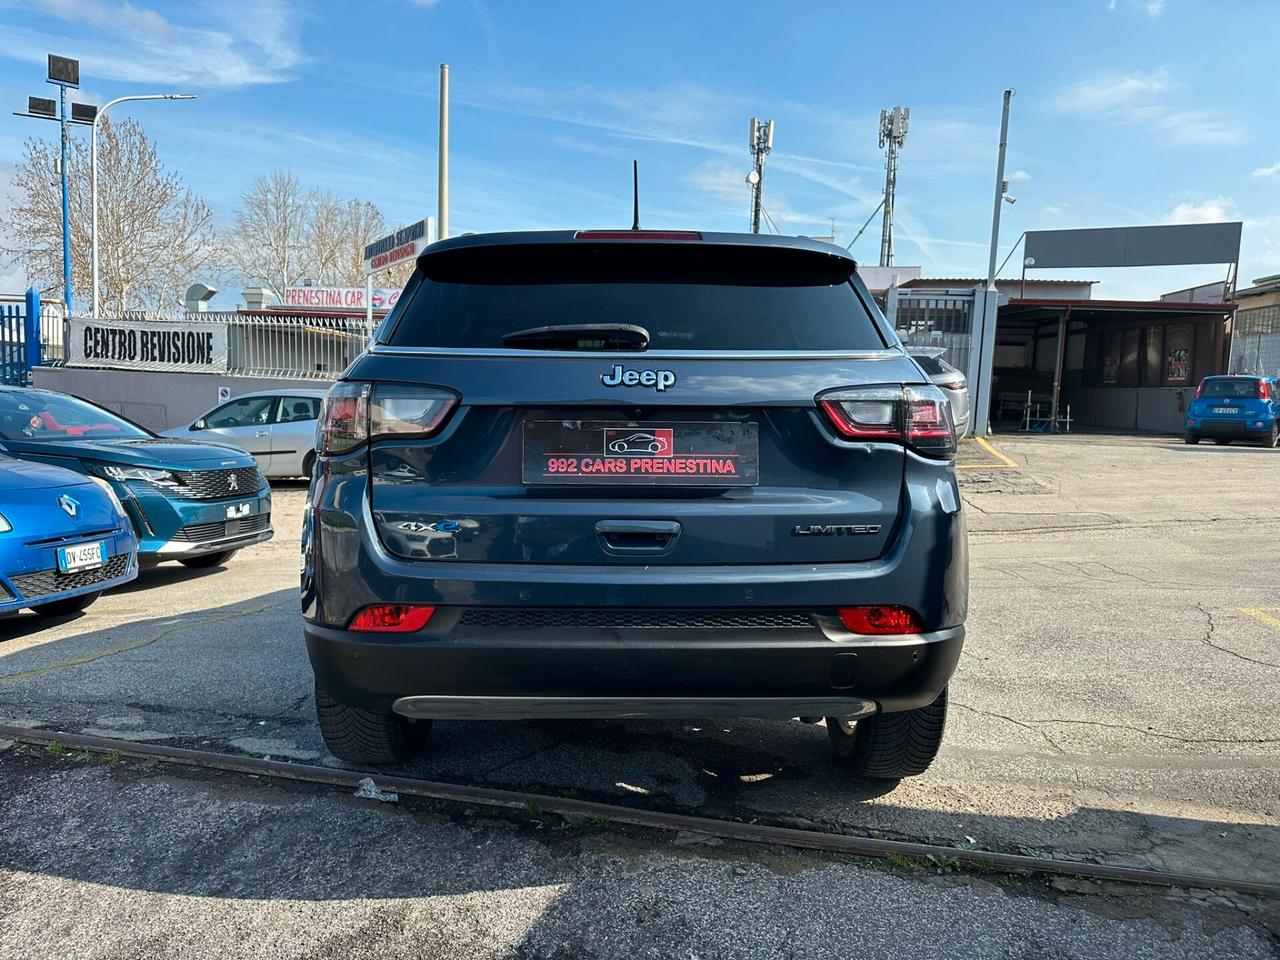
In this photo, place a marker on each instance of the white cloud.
(1152, 8)
(1019, 175)
(1272, 170)
(429, 4)
(230, 44)
(1213, 210)
(1140, 99)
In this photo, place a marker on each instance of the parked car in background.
(949, 379)
(1235, 408)
(636, 474)
(189, 500)
(277, 426)
(64, 538)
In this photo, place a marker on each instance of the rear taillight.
(355, 412)
(1264, 390)
(918, 416)
(1200, 390)
(880, 619)
(392, 618)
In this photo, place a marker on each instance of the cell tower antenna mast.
(893, 134)
(759, 142)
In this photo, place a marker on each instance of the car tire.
(206, 560)
(309, 465)
(1222, 441)
(64, 608)
(365, 736)
(1191, 438)
(890, 746)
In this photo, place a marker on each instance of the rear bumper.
(1241, 429)
(633, 673)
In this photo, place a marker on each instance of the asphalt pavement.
(1116, 700)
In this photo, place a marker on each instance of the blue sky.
(1126, 112)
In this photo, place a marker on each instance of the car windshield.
(36, 415)
(1233, 387)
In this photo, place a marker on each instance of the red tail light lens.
(1264, 390)
(917, 416)
(344, 418)
(878, 620)
(355, 412)
(1200, 390)
(392, 618)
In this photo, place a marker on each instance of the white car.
(277, 426)
(951, 381)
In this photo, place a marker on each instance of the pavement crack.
(193, 620)
(1017, 723)
(1207, 639)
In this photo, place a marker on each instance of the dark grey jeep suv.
(635, 474)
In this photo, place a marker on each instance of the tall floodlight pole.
(93, 173)
(66, 203)
(983, 344)
(893, 134)
(442, 195)
(63, 73)
(759, 142)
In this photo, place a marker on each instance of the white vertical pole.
(368, 298)
(443, 190)
(985, 341)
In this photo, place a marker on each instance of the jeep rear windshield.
(686, 296)
(1243, 388)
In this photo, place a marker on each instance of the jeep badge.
(620, 377)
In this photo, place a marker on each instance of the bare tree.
(154, 234)
(269, 240)
(337, 235)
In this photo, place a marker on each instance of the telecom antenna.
(893, 133)
(759, 142)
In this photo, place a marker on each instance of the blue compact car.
(1235, 408)
(64, 538)
(189, 500)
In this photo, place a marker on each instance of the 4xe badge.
(620, 376)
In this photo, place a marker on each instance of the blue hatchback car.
(189, 500)
(64, 538)
(1235, 408)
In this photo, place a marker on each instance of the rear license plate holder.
(1231, 410)
(671, 453)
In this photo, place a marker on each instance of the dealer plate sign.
(636, 453)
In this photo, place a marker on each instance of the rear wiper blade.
(580, 336)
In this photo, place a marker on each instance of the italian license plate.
(82, 556)
(1226, 410)
(632, 453)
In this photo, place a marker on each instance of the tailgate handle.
(653, 538)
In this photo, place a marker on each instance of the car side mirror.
(200, 425)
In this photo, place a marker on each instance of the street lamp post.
(93, 175)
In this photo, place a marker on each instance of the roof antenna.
(635, 194)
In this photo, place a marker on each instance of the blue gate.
(19, 339)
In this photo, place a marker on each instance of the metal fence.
(279, 346)
(933, 321)
(1255, 342)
